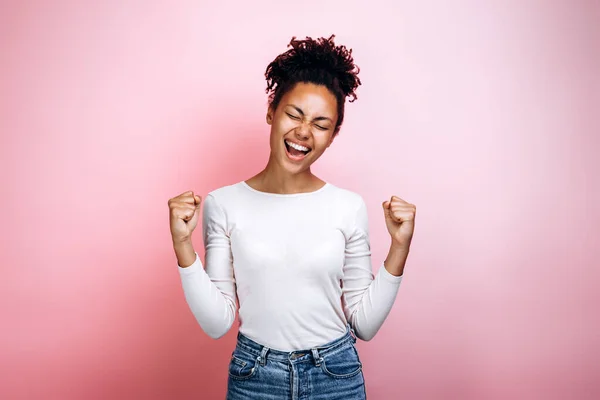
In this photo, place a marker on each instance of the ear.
(270, 113)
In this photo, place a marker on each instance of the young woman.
(291, 247)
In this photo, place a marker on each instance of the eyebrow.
(302, 113)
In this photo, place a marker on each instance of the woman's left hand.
(400, 221)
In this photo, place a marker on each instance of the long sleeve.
(367, 299)
(211, 293)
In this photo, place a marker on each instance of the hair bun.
(315, 56)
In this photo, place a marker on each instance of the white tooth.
(296, 146)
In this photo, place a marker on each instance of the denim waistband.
(263, 353)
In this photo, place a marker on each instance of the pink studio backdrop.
(483, 114)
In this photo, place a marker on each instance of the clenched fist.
(184, 212)
(400, 220)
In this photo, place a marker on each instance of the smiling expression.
(306, 115)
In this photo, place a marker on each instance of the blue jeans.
(329, 372)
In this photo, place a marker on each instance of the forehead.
(311, 98)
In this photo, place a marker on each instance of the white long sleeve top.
(299, 265)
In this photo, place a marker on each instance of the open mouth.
(295, 153)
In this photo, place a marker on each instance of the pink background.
(483, 114)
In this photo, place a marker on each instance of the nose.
(303, 131)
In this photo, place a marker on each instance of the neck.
(278, 180)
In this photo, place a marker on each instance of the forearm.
(368, 314)
(184, 251)
(396, 259)
(375, 304)
(213, 310)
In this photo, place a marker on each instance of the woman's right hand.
(184, 212)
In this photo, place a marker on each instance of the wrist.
(396, 259)
(185, 253)
(399, 247)
(182, 242)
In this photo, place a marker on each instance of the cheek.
(285, 126)
(323, 141)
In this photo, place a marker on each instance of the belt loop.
(262, 359)
(318, 359)
(351, 331)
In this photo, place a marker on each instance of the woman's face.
(306, 115)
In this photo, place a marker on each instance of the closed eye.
(297, 118)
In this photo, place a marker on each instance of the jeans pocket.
(242, 365)
(343, 363)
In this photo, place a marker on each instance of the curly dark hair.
(317, 61)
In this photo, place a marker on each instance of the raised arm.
(367, 299)
(210, 292)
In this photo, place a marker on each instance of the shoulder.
(352, 210)
(346, 198)
(224, 192)
(222, 198)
